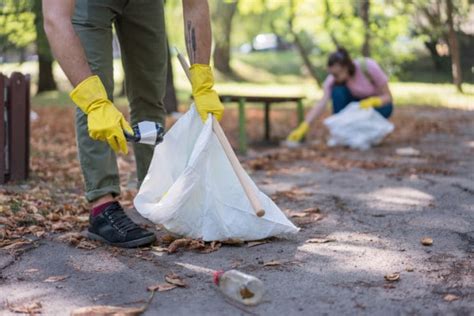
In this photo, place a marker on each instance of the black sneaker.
(115, 228)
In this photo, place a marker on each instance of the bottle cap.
(217, 275)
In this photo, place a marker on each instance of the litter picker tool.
(234, 161)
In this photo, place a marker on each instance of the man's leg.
(108, 221)
(93, 24)
(142, 36)
(341, 97)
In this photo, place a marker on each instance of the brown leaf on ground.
(272, 263)
(213, 246)
(232, 242)
(296, 214)
(159, 249)
(178, 243)
(87, 245)
(28, 308)
(31, 270)
(427, 241)
(168, 239)
(251, 244)
(175, 279)
(56, 278)
(103, 310)
(451, 297)
(318, 240)
(392, 277)
(409, 269)
(16, 244)
(73, 238)
(162, 287)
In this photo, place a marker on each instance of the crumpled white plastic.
(357, 128)
(192, 190)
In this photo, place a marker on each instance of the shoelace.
(120, 220)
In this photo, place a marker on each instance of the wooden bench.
(267, 102)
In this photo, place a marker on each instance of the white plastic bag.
(357, 128)
(193, 191)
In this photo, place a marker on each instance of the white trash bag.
(357, 128)
(192, 190)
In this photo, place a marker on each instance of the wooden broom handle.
(234, 161)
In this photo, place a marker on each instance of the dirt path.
(366, 215)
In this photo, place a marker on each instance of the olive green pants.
(140, 28)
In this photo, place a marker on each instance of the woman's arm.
(317, 109)
(385, 94)
(64, 42)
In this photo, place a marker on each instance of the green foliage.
(17, 28)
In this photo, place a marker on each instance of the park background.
(281, 47)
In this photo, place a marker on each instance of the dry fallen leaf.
(16, 245)
(168, 239)
(102, 310)
(450, 297)
(178, 243)
(159, 249)
(73, 238)
(56, 278)
(175, 279)
(31, 270)
(162, 287)
(256, 243)
(409, 269)
(319, 240)
(293, 214)
(272, 263)
(392, 277)
(29, 308)
(87, 245)
(427, 241)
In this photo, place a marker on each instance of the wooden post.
(242, 132)
(3, 130)
(19, 126)
(267, 121)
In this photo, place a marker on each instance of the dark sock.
(99, 209)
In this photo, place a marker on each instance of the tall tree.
(454, 47)
(365, 16)
(223, 14)
(45, 57)
(305, 55)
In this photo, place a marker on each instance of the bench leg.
(267, 121)
(242, 134)
(300, 111)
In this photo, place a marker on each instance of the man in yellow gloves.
(80, 35)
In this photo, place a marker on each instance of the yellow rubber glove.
(104, 121)
(371, 102)
(205, 98)
(298, 133)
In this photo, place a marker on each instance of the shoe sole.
(128, 244)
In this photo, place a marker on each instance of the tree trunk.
(365, 15)
(223, 28)
(454, 47)
(45, 57)
(170, 100)
(431, 46)
(300, 46)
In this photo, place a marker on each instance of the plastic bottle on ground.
(239, 286)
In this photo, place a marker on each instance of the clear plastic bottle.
(239, 286)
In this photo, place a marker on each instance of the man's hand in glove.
(298, 133)
(205, 97)
(371, 102)
(105, 122)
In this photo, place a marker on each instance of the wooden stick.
(234, 161)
